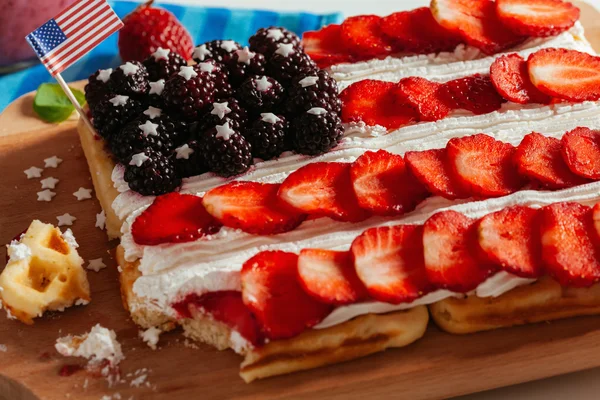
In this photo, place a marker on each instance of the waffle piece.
(47, 274)
(544, 300)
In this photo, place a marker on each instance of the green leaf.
(52, 104)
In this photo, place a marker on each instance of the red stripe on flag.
(73, 7)
(71, 21)
(85, 21)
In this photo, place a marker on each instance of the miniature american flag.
(73, 33)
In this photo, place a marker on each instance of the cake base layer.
(544, 300)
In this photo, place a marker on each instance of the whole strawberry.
(148, 28)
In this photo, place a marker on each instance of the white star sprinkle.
(104, 74)
(206, 66)
(129, 68)
(309, 81)
(220, 110)
(184, 152)
(187, 73)
(317, 111)
(153, 112)
(96, 265)
(65, 219)
(285, 49)
(224, 131)
(161, 54)
(45, 195)
(101, 220)
(245, 55)
(270, 118)
(263, 84)
(33, 172)
(52, 162)
(157, 87)
(83, 194)
(49, 183)
(229, 45)
(119, 100)
(275, 34)
(148, 128)
(201, 53)
(70, 238)
(138, 159)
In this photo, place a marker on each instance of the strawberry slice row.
(491, 26)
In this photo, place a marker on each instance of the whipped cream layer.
(445, 66)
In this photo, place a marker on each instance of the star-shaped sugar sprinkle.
(157, 87)
(52, 162)
(224, 131)
(149, 129)
(104, 75)
(33, 172)
(101, 220)
(119, 100)
(45, 195)
(153, 112)
(309, 81)
(317, 111)
(201, 53)
(65, 219)
(187, 73)
(245, 55)
(270, 118)
(49, 183)
(206, 66)
(83, 194)
(138, 159)
(70, 238)
(129, 68)
(161, 54)
(220, 109)
(229, 45)
(96, 265)
(263, 84)
(183, 152)
(275, 34)
(285, 49)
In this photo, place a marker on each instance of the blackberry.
(111, 114)
(288, 62)
(268, 136)
(130, 79)
(98, 86)
(217, 50)
(316, 131)
(221, 77)
(260, 93)
(162, 64)
(151, 173)
(218, 113)
(243, 64)
(189, 159)
(312, 90)
(140, 134)
(265, 40)
(189, 92)
(226, 151)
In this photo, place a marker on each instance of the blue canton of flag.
(46, 38)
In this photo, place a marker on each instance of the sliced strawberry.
(173, 218)
(329, 276)
(474, 93)
(270, 289)
(323, 189)
(363, 37)
(509, 239)
(566, 74)
(431, 168)
(483, 165)
(374, 103)
(581, 152)
(383, 184)
(596, 217)
(252, 207)
(476, 22)
(450, 260)
(569, 244)
(537, 18)
(510, 77)
(539, 159)
(325, 48)
(389, 261)
(425, 96)
(417, 31)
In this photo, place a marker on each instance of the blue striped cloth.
(203, 23)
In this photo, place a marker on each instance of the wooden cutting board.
(438, 366)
